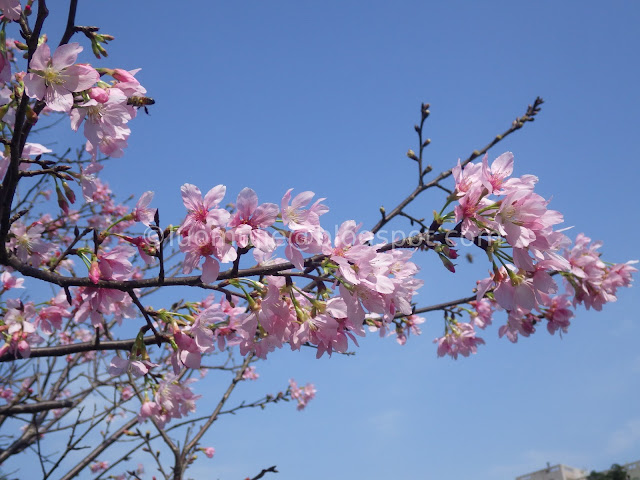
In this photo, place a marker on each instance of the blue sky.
(323, 96)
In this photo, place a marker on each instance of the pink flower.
(466, 178)
(136, 367)
(459, 340)
(409, 325)
(89, 181)
(302, 394)
(54, 80)
(481, 317)
(115, 264)
(470, 210)
(202, 211)
(188, 353)
(557, 313)
(107, 144)
(105, 126)
(250, 374)
(9, 282)
(173, 399)
(11, 9)
(522, 215)
(127, 393)
(127, 83)
(143, 214)
(209, 451)
(98, 466)
(50, 318)
(518, 322)
(28, 242)
(501, 168)
(202, 242)
(295, 216)
(251, 220)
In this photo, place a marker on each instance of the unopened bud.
(94, 271)
(3, 111)
(62, 202)
(98, 94)
(32, 117)
(412, 155)
(447, 263)
(21, 46)
(68, 192)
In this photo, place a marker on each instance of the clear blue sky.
(322, 96)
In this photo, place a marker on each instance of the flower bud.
(32, 117)
(94, 271)
(447, 263)
(3, 111)
(122, 75)
(98, 94)
(62, 202)
(68, 192)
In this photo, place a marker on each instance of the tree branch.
(35, 407)
(518, 123)
(62, 350)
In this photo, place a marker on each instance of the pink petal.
(41, 57)
(77, 78)
(214, 196)
(58, 98)
(210, 270)
(34, 86)
(65, 55)
(191, 196)
(247, 202)
(265, 215)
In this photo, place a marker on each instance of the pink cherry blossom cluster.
(593, 281)
(301, 394)
(525, 251)
(173, 399)
(76, 89)
(365, 279)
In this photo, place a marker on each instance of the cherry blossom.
(55, 79)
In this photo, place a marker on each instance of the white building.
(564, 472)
(556, 472)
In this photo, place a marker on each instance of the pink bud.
(62, 202)
(100, 95)
(149, 408)
(24, 348)
(123, 75)
(447, 263)
(68, 192)
(94, 272)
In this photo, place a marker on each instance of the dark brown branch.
(35, 407)
(442, 306)
(264, 472)
(180, 464)
(518, 123)
(71, 22)
(106, 443)
(78, 237)
(134, 297)
(62, 350)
